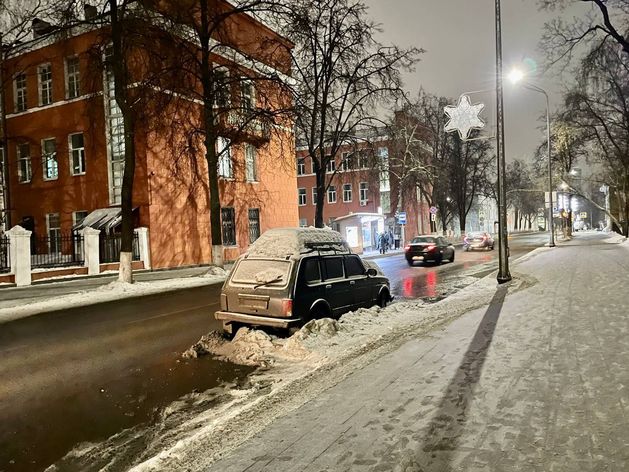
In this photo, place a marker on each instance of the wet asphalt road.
(84, 374)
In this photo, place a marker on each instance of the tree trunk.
(320, 172)
(5, 215)
(118, 63)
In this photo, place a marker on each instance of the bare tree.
(342, 74)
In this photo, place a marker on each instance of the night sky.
(459, 39)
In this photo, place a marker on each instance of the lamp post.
(516, 76)
(503, 244)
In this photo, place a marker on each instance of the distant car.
(478, 240)
(290, 276)
(428, 248)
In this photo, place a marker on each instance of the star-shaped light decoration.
(464, 117)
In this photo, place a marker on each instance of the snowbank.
(113, 291)
(615, 238)
(283, 242)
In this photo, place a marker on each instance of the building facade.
(65, 156)
(364, 189)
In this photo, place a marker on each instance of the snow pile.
(615, 239)
(215, 271)
(282, 242)
(269, 275)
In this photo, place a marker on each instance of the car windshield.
(270, 273)
(423, 239)
(475, 235)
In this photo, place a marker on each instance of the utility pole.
(503, 245)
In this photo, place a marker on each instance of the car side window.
(442, 242)
(333, 268)
(354, 267)
(312, 272)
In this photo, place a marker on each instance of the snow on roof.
(282, 242)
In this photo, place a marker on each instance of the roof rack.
(328, 246)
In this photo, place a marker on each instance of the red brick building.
(65, 161)
(361, 186)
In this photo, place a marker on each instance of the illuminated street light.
(517, 76)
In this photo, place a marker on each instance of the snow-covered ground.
(110, 292)
(202, 426)
(615, 238)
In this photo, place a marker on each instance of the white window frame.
(348, 192)
(248, 100)
(363, 189)
(228, 99)
(74, 222)
(314, 195)
(20, 93)
(330, 166)
(41, 83)
(251, 163)
(344, 166)
(301, 164)
(75, 76)
(81, 151)
(332, 193)
(363, 159)
(385, 180)
(302, 202)
(303, 222)
(28, 159)
(225, 163)
(56, 230)
(46, 158)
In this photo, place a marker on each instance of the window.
(73, 79)
(77, 154)
(221, 87)
(49, 159)
(348, 161)
(353, 266)
(364, 193)
(115, 138)
(254, 224)
(332, 194)
(385, 201)
(302, 196)
(24, 169)
(303, 223)
(347, 192)
(44, 76)
(333, 267)
(363, 159)
(314, 195)
(301, 167)
(228, 220)
(312, 272)
(19, 86)
(385, 184)
(251, 163)
(225, 169)
(53, 226)
(330, 166)
(78, 217)
(248, 94)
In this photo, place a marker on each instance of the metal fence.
(5, 256)
(110, 245)
(60, 250)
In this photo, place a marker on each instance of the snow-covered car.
(478, 240)
(292, 275)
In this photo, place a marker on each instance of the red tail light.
(287, 308)
(485, 238)
(430, 248)
(407, 247)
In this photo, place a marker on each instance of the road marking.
(171, 313)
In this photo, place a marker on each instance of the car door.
(360, 284)
(337, 286)
(309, 287)
(444, 248)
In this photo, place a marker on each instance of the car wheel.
(410, 263)
(439, 259)
(467, 249)
(383, 299)
(452, 256)
(492, 248)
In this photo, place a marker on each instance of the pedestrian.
(383, 243)
(396, 238)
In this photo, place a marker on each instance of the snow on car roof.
(282, 242)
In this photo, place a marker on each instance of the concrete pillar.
(20, 253)
(91, 249)
(144, 246)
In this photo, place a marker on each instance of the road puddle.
(42, 432)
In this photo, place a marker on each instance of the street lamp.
(517, 76)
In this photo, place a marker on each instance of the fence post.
(91, 249)
(143, 245)
(20, 253)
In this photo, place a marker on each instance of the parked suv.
(319, 277)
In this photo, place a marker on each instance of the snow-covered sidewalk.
(16, 303)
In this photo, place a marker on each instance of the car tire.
(410, 263)
(452, 257)
(383, 299)
(492, 248)
(467, 249)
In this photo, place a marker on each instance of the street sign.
(433, 217)
(481, 214)
(583, 214)
(433, 210)
(402, 217)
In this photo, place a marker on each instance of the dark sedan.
(428, 248)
